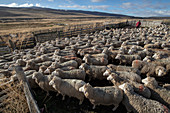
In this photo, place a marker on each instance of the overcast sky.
(142, 8)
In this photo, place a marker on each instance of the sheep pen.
(89, 58)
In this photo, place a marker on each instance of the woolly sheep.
(124, 74)
(72, 74)
(157, 93)
(127, 59)
(20, 62)
(138, 87)
(109, 95)
(150, 69)
(139, 104)
(43, 81)
(31, 65)
(160, 55)
(69, 87)
(95, 61)
(93, 71)
(123, 68)
(167, 86)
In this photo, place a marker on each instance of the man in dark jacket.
(138, 24)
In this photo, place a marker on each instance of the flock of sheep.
(129, 58)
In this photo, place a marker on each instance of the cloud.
(101, 7)
(145, 5)
(51, 0)
(151, 13)
(37, 5)
(97, 0)
(21, 5)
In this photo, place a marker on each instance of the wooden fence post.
(30, 100)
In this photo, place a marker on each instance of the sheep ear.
(88, 84)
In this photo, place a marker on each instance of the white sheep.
(127, 59)
(93, 71)
(43, 81)
(139, 104)
(109, 95)
(69, 87)
(72, 74)
(138, 87)
(95, 61)
(157, 93)
(149, 69)
(123, 68)
(124, 74)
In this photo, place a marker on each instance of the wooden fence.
(67, 31)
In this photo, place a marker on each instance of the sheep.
(43, 81)
(103, 55)
(94, 72)
(109, 95)
(72, 74)
(20, 62)
(149, 69)
(72, 63)
(156, 45)
(138, 87)
(69, 87)
(95, 61)
(82, 52)
(127, 59)
(62, 59)
(31, 65)
(167, 86)
(148, 59)
(157, 93)
(46, 63)
(123, 68)
(160, 55)
(124, 74)
(139, 104)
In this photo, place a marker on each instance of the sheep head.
(107, 72)
(126, 87)
(55, 81)
(83, 66)
(85, 89)
(118, 56)
(150, 81)
(37, 75)
(160, 71)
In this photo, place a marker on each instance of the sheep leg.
(116, 106)
(63, 97)
(57, 94)
(46, 96)
(94, 106)
(81, 101)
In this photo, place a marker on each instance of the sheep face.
(150, 81)
(126, 87)
(85, 89)
(118, 56)
(37, 75)
(110, 77)
(131, 51)
(147, 59)
(83, 66)
(107, 72)
(160, 71)
(56, 80)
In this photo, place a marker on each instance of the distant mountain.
(39, 12)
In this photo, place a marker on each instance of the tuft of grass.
(15, 101)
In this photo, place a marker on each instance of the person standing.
(138, 24)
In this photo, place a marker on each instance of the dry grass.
(15, 101)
